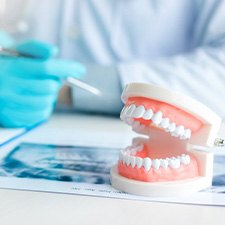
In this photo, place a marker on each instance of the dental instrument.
(70, 81)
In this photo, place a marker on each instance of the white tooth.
(177, 163)
(129, 121)
(139, 111)
(156, 163)
(178, 131)
(182, 138)
(174, 163)
(128, 159)
(148, 114)
(127, 108)
(139, 162)
(157, 118)
(147, 162)
(171, 127)
(187, 133)
(164, 163)
(171, 162)
(130, 110)
(188, 159)
(185, 159)
(165, 123)
(133, 161)
(122, 114)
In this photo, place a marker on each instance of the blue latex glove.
(29, 87)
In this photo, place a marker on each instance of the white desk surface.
(26, 207)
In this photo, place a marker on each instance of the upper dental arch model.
(167, 162)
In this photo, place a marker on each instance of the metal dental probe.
(70, 81)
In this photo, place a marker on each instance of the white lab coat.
(178, 44)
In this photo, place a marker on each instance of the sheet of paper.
(85, 171)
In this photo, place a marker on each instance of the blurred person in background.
(178, 44)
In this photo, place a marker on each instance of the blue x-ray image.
(60, 163)
(76, 164)
(219, 172)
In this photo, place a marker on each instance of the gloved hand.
(29, 87)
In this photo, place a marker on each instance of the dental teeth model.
(165, 163)
(132, 112)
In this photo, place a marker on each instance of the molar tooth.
(171, 127)
(177, 162)
(164, 163)
(187, 134)
(156, 163)
(139, 111)
(188, 159)
(178, 131)
(157, 118)
(165, 123)
(148, 114)
(139, 162)
(174, 163)
(185, 159)
(133, 161)
(130, 110)
(147, 162)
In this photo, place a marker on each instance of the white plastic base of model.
(169, 188)
(159, 189)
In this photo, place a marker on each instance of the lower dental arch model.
(167, 163)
